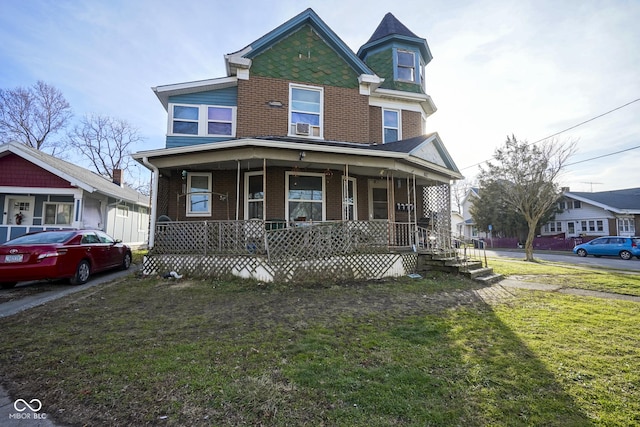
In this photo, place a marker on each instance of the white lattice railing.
(279, 240)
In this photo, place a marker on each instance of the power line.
(573, 127)
(604, 155)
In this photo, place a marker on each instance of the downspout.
(155, 177)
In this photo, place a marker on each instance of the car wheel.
(126, 261)
(82, 273)
(7, 285)
(582, 252)
(625, 255)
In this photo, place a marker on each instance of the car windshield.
(41, 238)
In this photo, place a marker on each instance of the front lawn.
(406, 352)
(570, 276)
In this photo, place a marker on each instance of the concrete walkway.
(513, 283)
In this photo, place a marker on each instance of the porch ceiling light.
(184, 174)
(275, 104)
(302, 155)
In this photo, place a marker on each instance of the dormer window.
(406, 65)
(305, 111)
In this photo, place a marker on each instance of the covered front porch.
(278, 209)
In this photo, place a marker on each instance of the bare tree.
(106, 142)
(33, 115)
(527, 177)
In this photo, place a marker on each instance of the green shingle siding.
(305, 57)
(381, 62)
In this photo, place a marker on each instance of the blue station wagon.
(624, 247)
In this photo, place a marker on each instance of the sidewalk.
(512, 283)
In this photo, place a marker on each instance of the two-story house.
(302, 132)
(603, 213)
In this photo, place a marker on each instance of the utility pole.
(591, 185)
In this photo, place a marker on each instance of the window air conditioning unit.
(302, 129)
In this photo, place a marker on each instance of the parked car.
(60, 254)
(624, 247)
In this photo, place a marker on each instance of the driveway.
(27, 295)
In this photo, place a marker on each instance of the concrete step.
(478, 272)
(489, 279)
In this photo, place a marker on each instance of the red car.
(60, 254)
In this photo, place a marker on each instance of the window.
(626, 226)
(305, 197)
(254, 189)
(562, 205)
(600, 225)
(122, 211)
(571, 229)
(202, 120)
(406, 69)
(583, 225)
(57, 213)
(198, 194)
(592, 226)
(305, 111)
(143, 220)
(390, 125)
(577, 204)
(349, 212)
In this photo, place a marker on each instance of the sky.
(531, 69)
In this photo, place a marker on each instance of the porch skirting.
(326, 270)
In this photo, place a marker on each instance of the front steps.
(471, 269)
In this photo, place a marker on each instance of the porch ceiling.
(253, 154)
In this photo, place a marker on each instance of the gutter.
(155, 176)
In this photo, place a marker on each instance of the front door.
(378, 199)
(19, 210)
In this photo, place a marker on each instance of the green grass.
(406, 353)
(618, 282)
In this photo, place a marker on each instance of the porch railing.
(278, 239)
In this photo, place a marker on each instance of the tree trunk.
(528, 246)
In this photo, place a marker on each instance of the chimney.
(117, 177)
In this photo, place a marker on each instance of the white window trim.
(203, 121)
(321, 121)
(399, 128)
(189, 213)
(286, 193)
(246, 194)
(120, 209)
(345, 204)
(143, 219)
(379, 183)
(56, 204)
(398, 66)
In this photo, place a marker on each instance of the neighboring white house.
(39, 191)
(605, 213)
(467, 227)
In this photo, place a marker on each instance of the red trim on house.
(18, 172)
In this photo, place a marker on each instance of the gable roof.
(76, 175)
(242, 58)
(427, 147)
(625, 201)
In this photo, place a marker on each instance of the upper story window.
(202, 120)
(406, 65)
(390, 125)
(305, 111)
